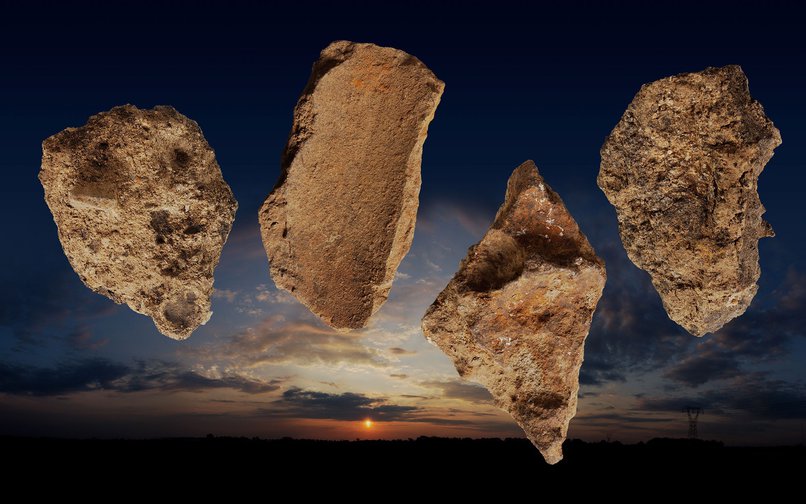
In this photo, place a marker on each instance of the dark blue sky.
(546, 83)
(522, 81)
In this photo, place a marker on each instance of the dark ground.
(446, 464)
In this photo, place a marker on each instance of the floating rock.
(515, 316)
(142, 211)
(341, 217)
(681, 167)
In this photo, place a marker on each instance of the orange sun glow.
(368, 423)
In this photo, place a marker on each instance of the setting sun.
(368, 423)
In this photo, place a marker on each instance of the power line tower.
(693, 413)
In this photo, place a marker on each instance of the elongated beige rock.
(516, 314)
(341, 217)
(142, 211)
(681, 167)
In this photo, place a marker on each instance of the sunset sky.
(545, 84)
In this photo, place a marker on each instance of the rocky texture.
(681, 167)
(341, 217)
(515, 316)
(142, 211)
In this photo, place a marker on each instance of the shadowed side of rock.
(516, 314)
(142, 211)
(342, 215)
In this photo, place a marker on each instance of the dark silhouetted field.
(452, 464)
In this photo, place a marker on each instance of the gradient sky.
(543, 83)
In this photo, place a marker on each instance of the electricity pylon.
(693, 413)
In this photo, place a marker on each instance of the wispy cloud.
(473, 221)
(39, 310)
(83, 339)
(753, 395)
(696, 370)
(631, 333)
(764, 334)
(277, 340)
(349, 406)
(299, 403)
(101, 374)
(401, 351)
(458, 389)
(227, 294)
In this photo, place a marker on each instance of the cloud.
(598, 372)
(764, 334)
(631, 332)
(434, 266)
(227, 294)
(101, 374)
(350, 406)
(401, 351)
(632, 335)
(457, 389)
(697, 370)
(473, 222)
(276, 340)
(89, 374)
(244, 243)
(299, 403)
(620, 419)
(83, 339)
(149, 375)
(753, 396)
(40, 309)
(273, 296)
(450, 422)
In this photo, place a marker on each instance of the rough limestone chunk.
(681, 167)
(341, 217)
(515, 316)
(142, 211)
